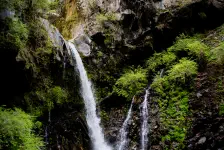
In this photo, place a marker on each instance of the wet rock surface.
(206, 131)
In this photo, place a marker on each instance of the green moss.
(192, 46)
(173, 95)
(173, 104)
(130, 83)
(182, 71)
(106, 17)
(218, 54)
(70, 19)
(104, 115)
(164, 59)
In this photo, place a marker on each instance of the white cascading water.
(144, 123)
(93, 121)
(123, 143)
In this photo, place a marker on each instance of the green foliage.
(16, 131)
(221, 109)
(218, 54)
(39, 52)
(13, 4)
(54, 5)
(182, 71)
(27, 8)
(173, 101)
(130, 83)
(18, 33)
(106, 17)
(37, 7)
(15, 37)
(173, 104)
(49, 98)
(192, 46)
(58, 95)
(164, 59)
(104, 115)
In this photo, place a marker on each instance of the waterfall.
(46, 129)
(49, 116)
(93, 121)
(46, 135)
(144, 122)
(123, 132)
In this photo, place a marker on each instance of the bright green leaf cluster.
(192, 46)
(160, 60)
(16, 131)
(221, 109)
(173, 101)
(130, 83)
(183, 70)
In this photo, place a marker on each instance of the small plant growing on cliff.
(106, 17)
(182, 71)
(164, 59)
(173, 101)
(189, 47)
(221, 109)
(218, 54)
(130, 83)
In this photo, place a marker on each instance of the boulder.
(219, 4)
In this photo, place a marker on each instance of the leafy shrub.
(49, 98)
(173, 105)
(218, 54)
(54, 5)
(38, 55)
(130, 83)
(158, 60)
(182, 71)
(16, 131)
(27, 8)
(15, 37)
(13, 4)
(191, 46)
(173, 101)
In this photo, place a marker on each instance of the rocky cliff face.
(113, 36)
(122, 35)
(127, 36)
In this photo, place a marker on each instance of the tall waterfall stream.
(93, 121)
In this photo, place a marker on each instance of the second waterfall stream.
(144, 121)
(123, 142)
(92, 119)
